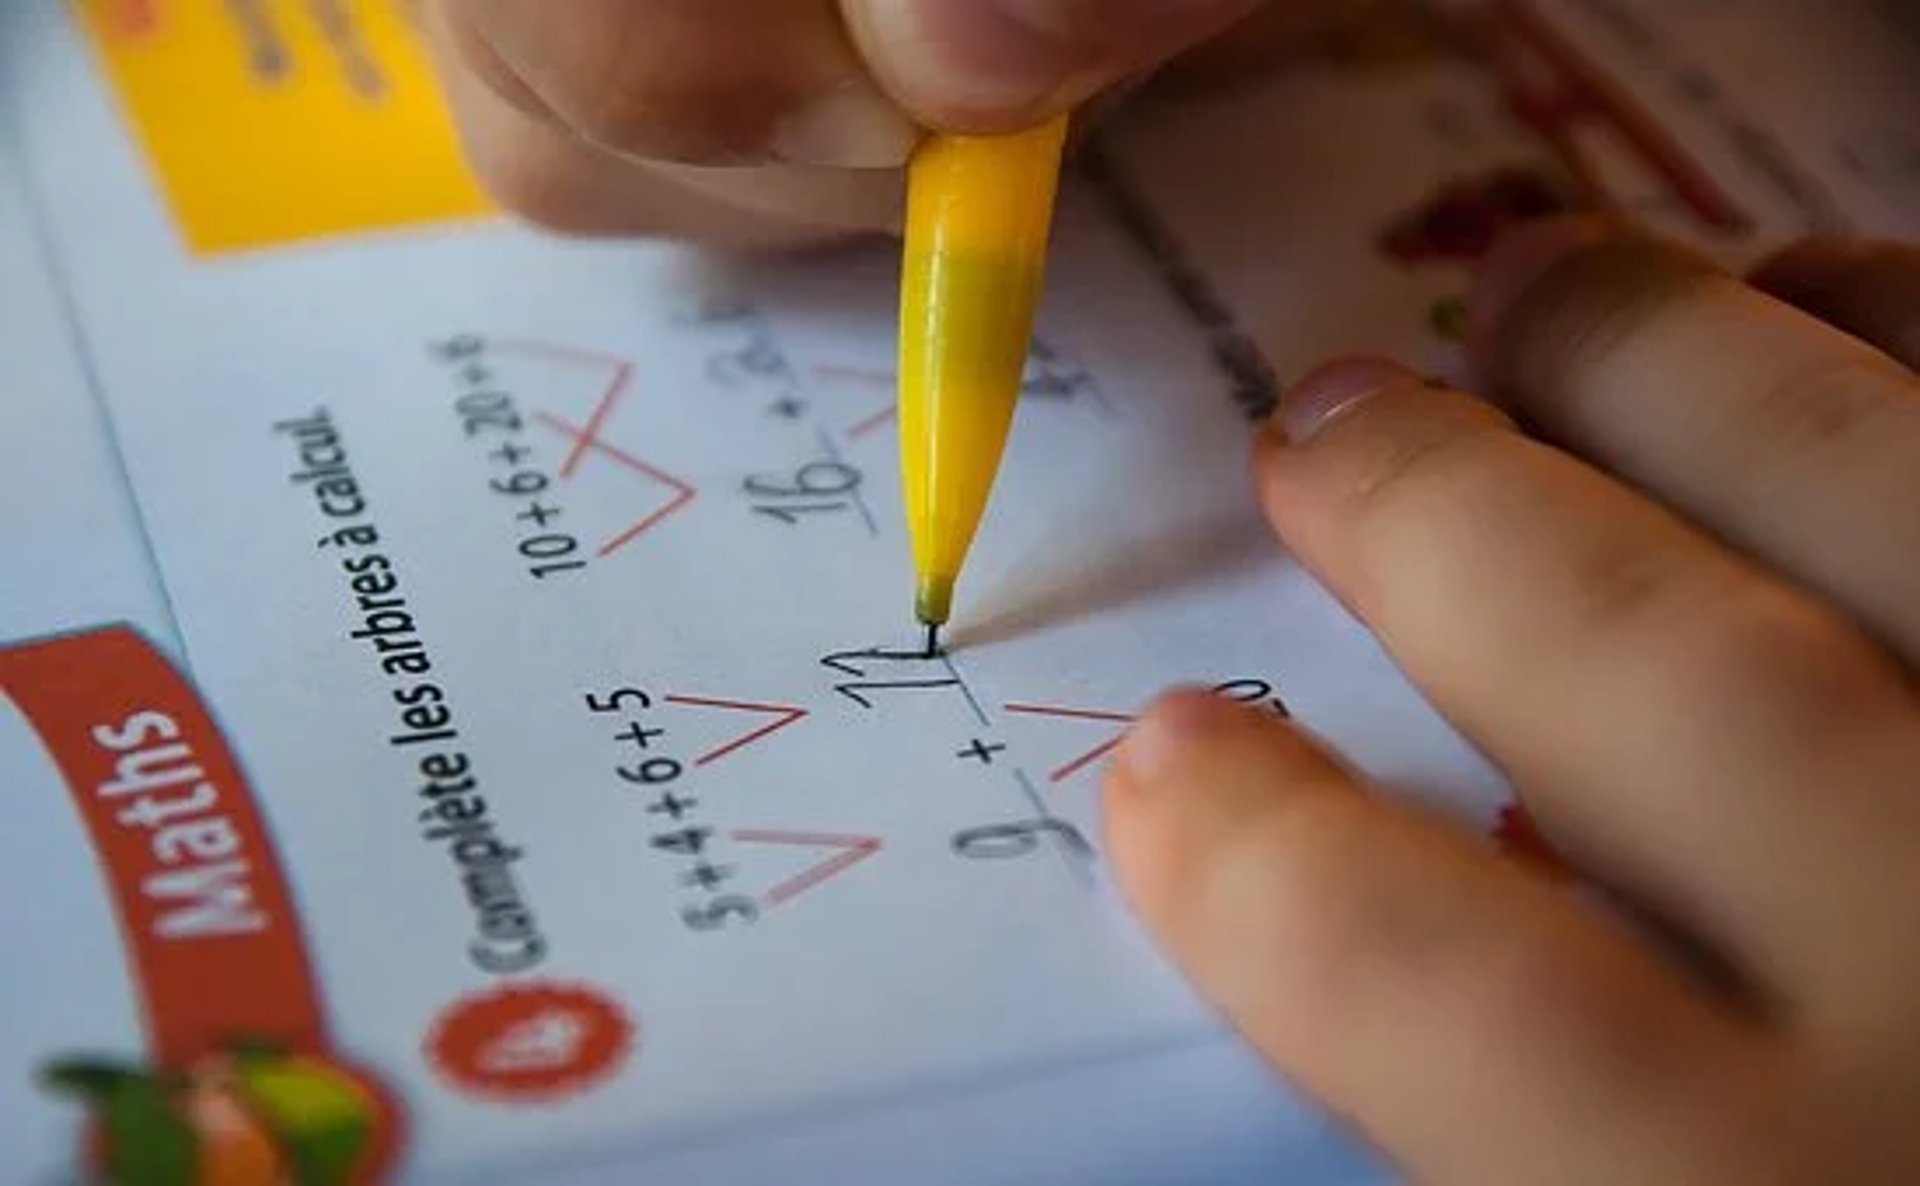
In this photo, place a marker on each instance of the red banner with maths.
(234, 1019)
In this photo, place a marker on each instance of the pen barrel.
(979, 211)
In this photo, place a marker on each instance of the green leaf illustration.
(91, 1079)
(328, 1158)
(148, 1143)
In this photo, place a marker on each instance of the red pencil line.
(622, 372)
(857, 374)
(683, 492)
(788, 715)
(800, 883)
(746, 740)
(632, 533)
(557, 352)
(742, 705)
(614, 451)
(1093, 755)
(859, 848)
(598, 420)
(1077, 714)
(872, 422)
(816, 839)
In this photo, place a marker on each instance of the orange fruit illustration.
(248, 1118)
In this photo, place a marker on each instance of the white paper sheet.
(551, 597)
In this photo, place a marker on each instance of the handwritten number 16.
(817, 487)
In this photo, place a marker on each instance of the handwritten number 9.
(523, 481)
(651, 772)
(1000, 842)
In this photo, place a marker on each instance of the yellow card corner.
(269, 122)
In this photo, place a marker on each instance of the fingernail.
(1175, 723)
(962, 61)
(955, 62)
(852, 127)
(1333, 389)
(1517, 261)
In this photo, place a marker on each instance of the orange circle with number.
(530, 1043)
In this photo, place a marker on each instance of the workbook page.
(464, 701)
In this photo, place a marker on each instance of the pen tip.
(933, 600)
(933, 639)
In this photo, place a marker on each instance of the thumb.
(999, 65)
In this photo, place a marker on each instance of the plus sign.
(511, 454)
(981, 751)
(706, 876)
(638, 734)
(538, 512)
(670, 804)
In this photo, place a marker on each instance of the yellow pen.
(979, 209)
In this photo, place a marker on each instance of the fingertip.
(1176, 721)
(1174, 764)
(1136, 846)
(1188, 788)
(1296, 476)
(987, 66)
(1519, 260)
(1330, 390)
(1195, 760)
(960, 67)
(1137, 797)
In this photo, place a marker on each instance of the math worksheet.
(460, 718)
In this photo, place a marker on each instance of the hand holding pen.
(781, 122)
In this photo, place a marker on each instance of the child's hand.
(773, 121)
(1688, 630)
